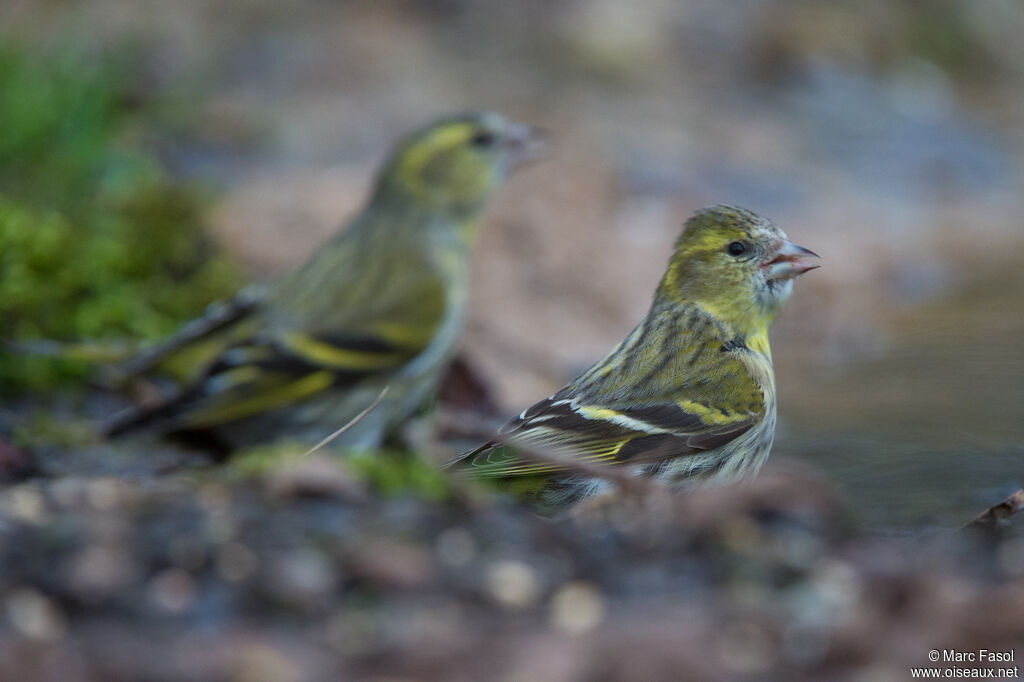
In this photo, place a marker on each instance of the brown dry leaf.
(316, 476)
(464, 388)
(15, 463)
(997, 514)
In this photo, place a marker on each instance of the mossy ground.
(103, 248)
(97, 240)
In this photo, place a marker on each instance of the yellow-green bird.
(689, 395)
(379, 305)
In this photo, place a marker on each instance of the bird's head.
(736, 265)
(453, 164)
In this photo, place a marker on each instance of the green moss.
(44, 429)
(97, 240)
(261, 461)
(942, 38)
(387, 472)
(399, 473)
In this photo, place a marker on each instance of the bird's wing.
(268, 371)
(295, 340)
(195, 344)
(610, 433)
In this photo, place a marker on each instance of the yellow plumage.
(690, 393)
(379, 305)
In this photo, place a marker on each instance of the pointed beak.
(790, 261)
(526, 144)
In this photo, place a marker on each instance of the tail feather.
(142, 416)
(105, 352)
(216, 317)
(460, 460)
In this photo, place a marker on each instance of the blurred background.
(885, 135)
(155, 156)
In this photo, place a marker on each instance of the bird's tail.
(99, 352)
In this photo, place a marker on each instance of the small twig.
(471, 426)
(351, 422)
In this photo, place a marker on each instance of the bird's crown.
(455, 162)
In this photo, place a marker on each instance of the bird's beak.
(526, 144)
(790, 261)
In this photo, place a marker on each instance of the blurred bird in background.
(379, 305)
(689, 395)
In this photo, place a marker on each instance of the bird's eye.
(482, 139)
(736, 248)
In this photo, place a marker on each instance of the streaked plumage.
(380, 304)
(690, 394)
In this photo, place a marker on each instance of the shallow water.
(899, 485)
(929, 431)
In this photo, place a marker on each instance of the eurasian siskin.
(379, 305)
(689, 395)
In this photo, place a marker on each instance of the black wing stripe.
(665, 416)
(714, 439)
(654, 448)
(358, 342)
(545, 410)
